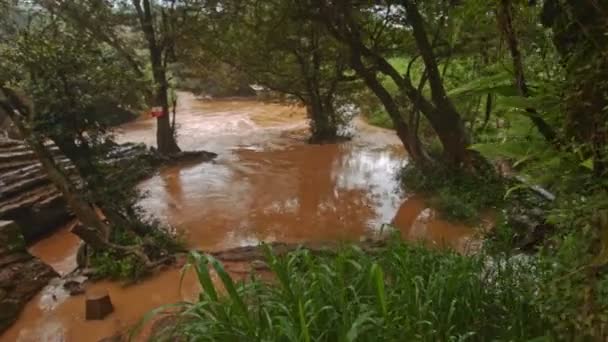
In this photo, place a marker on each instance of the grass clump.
(403, 293)
(455, 194)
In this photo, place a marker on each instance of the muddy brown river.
(267, 184)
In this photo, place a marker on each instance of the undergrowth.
(402, 293)
(455, 194)
(150, 234)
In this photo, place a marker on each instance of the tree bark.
(323, 125)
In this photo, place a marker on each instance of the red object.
(156, 112)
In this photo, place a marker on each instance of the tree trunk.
(404, 132)
(505, 19)
(323, 125)
(165, 136)
(445, 119)
(579, 35)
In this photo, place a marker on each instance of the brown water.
(266, 185)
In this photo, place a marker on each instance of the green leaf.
(377, 278)
(588, 164)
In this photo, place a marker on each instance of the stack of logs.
(26, 194)
(29, 198)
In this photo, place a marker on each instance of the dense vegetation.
(501, 105)
(402, 293)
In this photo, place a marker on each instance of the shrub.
(455, 193)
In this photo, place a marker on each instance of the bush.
(108, 265)
(455, 193)
(403, 293)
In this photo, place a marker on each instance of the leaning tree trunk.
(445, 119)
(83, 210)
(93, 231)
(505, 19)
(82, 157)
(404, 131)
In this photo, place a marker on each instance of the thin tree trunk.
(505, 19)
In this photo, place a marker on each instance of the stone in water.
(98, 305)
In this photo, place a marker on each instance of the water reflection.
(301, 193)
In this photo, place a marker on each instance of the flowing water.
(267, 184)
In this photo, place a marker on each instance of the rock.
(73, 287)
(21, 275)
(98, 305)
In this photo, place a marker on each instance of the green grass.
(403, 293)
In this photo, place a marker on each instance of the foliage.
(574, 258)
(144, 231)
(456, 193)
(402, 293)
(109, 265)
(380, 118)
(70, 79)
(449, 76)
